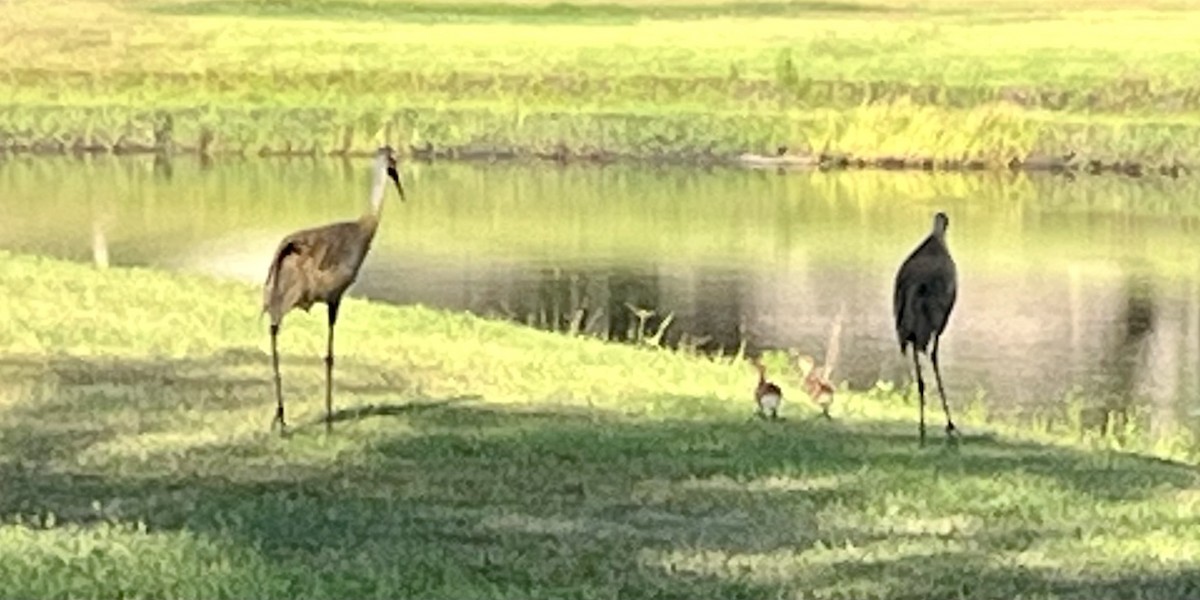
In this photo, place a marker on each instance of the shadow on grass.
(198, 373)
(75, 403)
(359, 413)
(447, 498)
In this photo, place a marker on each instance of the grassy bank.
(674, 79)
(477, 459)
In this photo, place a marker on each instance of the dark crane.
(317, 265)
(926, 287)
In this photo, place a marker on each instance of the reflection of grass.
(477, 459)
(663, 78)
(623, 213)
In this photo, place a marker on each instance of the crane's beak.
(395, 175)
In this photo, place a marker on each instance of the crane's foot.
(922, 436)
(283, 428)
(328, 424)
(278, 420)
(952, 437)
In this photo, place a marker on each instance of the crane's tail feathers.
(271, 298)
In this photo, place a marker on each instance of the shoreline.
(1069, 164)
(854, 406)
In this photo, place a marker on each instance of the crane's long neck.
(378, 191)
(939, 227)
(370, 219)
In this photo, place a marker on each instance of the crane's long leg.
(920, 390)
(937, 374)
(333, 313)
(278, 380)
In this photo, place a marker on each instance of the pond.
(1081, 290)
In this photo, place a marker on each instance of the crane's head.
(388, 160)
(940, 223)
(805, 363)
(756, 362)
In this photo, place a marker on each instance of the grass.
(478, 459)
(664, 79)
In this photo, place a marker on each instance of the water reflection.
(1125, 357)
(1084, 289)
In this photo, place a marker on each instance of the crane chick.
(816, 383)
(767, 395)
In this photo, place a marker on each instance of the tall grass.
(674, 79)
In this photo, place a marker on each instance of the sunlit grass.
(473, 458)
(664, 79)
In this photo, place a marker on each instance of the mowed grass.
(949, 80)
(478, 459)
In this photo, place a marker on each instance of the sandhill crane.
(926, 287)
(817, 382)
(767, 395)
(317, 265)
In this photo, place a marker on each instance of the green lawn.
(952, 80)
(478, 459)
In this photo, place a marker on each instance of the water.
(1086, 288)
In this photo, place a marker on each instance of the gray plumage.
(317, 266)
(925, 291)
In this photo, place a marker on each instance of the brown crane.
(767, 395)
(317, 265)
(926, 287)
(817, 378)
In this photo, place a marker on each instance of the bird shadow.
(359, 413)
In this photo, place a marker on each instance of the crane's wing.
(925, 293)
(313, 265)
(904, 281)
(342, 248)
(900, 291)
(284, 286)
(948, 297)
